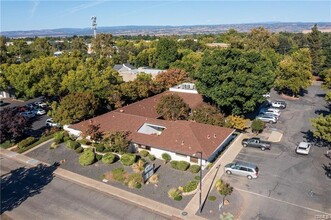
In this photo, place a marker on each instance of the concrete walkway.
(215, 173)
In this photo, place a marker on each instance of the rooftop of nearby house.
(192, 137)
(147, 107)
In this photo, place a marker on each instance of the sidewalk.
(215, 173)
(143, 202)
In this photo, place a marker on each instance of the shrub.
(175, 194)
(194, 168)
(98, 157)
(72, 144)
(135, 180)
(166, 157)
(87, 158)
(197, 178)
(211, 198)
(144, 153)
(257, 125)
(180, 165)
(66, 138)
(128, 159)
(154, 178)
(151, 157)
(85, 142)
(119, 174)
(59, 137)
(223, 188)
(190, 186)
(108, 158)
(139, 166)
(79, 150)
(99, 147)
(41, 140)
(26, 142)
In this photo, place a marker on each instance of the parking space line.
(278, 200)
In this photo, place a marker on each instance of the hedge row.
(26, 142)
(41, 140)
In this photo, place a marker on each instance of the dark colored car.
(257, 143)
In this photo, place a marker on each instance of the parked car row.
(32, 109)
(271, 113)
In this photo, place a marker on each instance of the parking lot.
(38, 122)
(289, 186)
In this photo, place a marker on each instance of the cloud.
(35, 4)
(85, 6)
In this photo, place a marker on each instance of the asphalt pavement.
(35, 193)
(289, 186)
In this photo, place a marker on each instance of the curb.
(145, 203)
(39, 145)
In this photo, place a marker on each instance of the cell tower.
(94, 25)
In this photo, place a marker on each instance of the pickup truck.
(256, 142)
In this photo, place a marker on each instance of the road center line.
(278, 200)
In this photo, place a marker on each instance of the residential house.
(129, 72)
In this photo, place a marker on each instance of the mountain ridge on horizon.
(169, 29)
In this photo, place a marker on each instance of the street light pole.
(200, 190)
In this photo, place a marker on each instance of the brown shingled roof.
(147, 107)
(184, 137)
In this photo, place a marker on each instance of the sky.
(51, 14)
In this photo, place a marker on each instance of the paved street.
(289, 186)
(34, 193)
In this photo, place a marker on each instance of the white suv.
(278, 104)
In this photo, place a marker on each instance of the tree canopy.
(207, 114)
(235, 80)
(74, 108)
(172, 107)
(294, 72)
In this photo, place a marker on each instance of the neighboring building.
(9, 93)
(180, 139)
(129, 72)
(221, 45)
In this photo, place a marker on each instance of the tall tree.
(166, 52)
(74, 108)
(235, 80)
(314, 40)
(322, 126)
(294, 72)
(172, 107)
(103, 45)
(260, 39)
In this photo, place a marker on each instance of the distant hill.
(171, 30)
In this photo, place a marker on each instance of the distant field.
(321, 30)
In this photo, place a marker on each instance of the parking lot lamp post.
(200, 188)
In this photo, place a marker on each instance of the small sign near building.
(148, 171)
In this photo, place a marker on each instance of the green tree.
(93, 132)
(234, 80)
(322, 126)
(74, 108)
(314, 40)
(223, 188)
(118, 142)
(257, 125)
(172, 107)
(260, 39)
(91, 79)
(294, 72)
(166, 52)
(208, 114)
(103, 45)
(190, 62)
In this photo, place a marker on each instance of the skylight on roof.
(151, 129)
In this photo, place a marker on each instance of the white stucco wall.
(158, 154)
